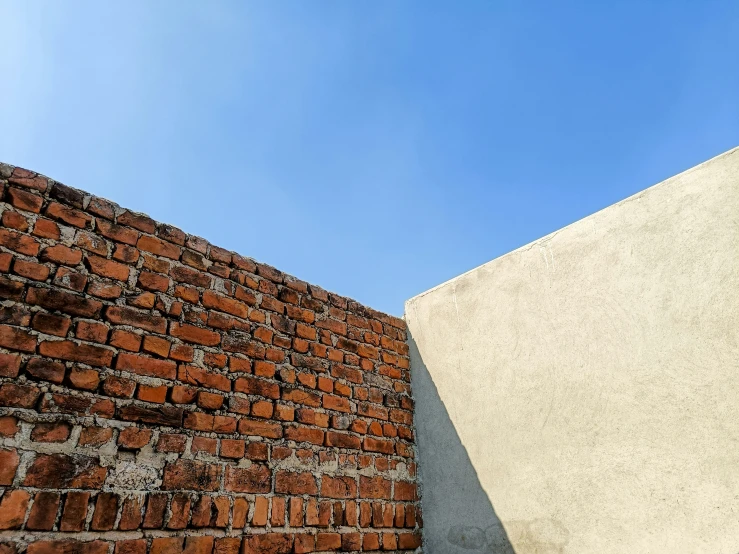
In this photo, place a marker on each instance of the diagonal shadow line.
(458, 517)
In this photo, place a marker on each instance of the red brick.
(261, 511)
(155, 510)
(197, 376)
(204, 444)
(287, 482)
(228, 545)
(254, 479)
(133, 438)
(338, 487)
(133, 546)
(104, 290)
(31, 270)
(135, 318)
(91, 243)
(13, 507)
(301, 397)
(51, 324)
(328, 541)
(182, 352)
(374, 487)
(50, 432)
(75, 511)
(171, 443)
(147, 393)
(17, 339)
(209, 400)
(371, 541)
(131, 513)
(106, 509)
(125, 340)
(144, 365)
(405, 491)
(92, 331)
(161, 415)
(9, 460)
(267, 543)
(198, 545)
(107, 268)
(8, 428)
(231, 448)
(167, 545)
(192, 475)
(18, 242)
(46, 370)
(262, 409)
(224, 304)
(304, 434)
(83, 353)
(18, 396)
(68, 547)
(197, 335)
(153, 282)
(259, 387)
(183, 395)
(156, 345)
(278, 511)
(73, 217)
(5, 260)
(58, 471)
(179, 512)
(409, 541)
(95, 436)
(138, 221)
(54, 299)
(9, 365)
(47, 229)
(336, 403)
(158, 247)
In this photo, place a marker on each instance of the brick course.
(161, 394)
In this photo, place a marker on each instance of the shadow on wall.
(458, 517)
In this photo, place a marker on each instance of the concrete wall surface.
(580, 395)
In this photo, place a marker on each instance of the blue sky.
(374, 148)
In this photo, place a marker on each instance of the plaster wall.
(579, 394)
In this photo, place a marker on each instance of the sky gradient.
(374, 148)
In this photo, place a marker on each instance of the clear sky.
(376, 148)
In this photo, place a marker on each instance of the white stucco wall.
(580, 395)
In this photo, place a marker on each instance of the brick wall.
(160, 394)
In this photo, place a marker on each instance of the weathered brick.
(50, 432)
(9, 460)
(143, 365)
(18, 242)
(9, 365)
(135, 318)
(164, 415)
(158, 247)
(54, 299)
(17, 339)
(83, 353)
(13, 507)
(287, 482)
(59, 471)
(192, 475)
(51, 324)
(267, 543)
(193, 334)
(256, 478)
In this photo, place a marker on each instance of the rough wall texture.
(159, 394)
(584, 387)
